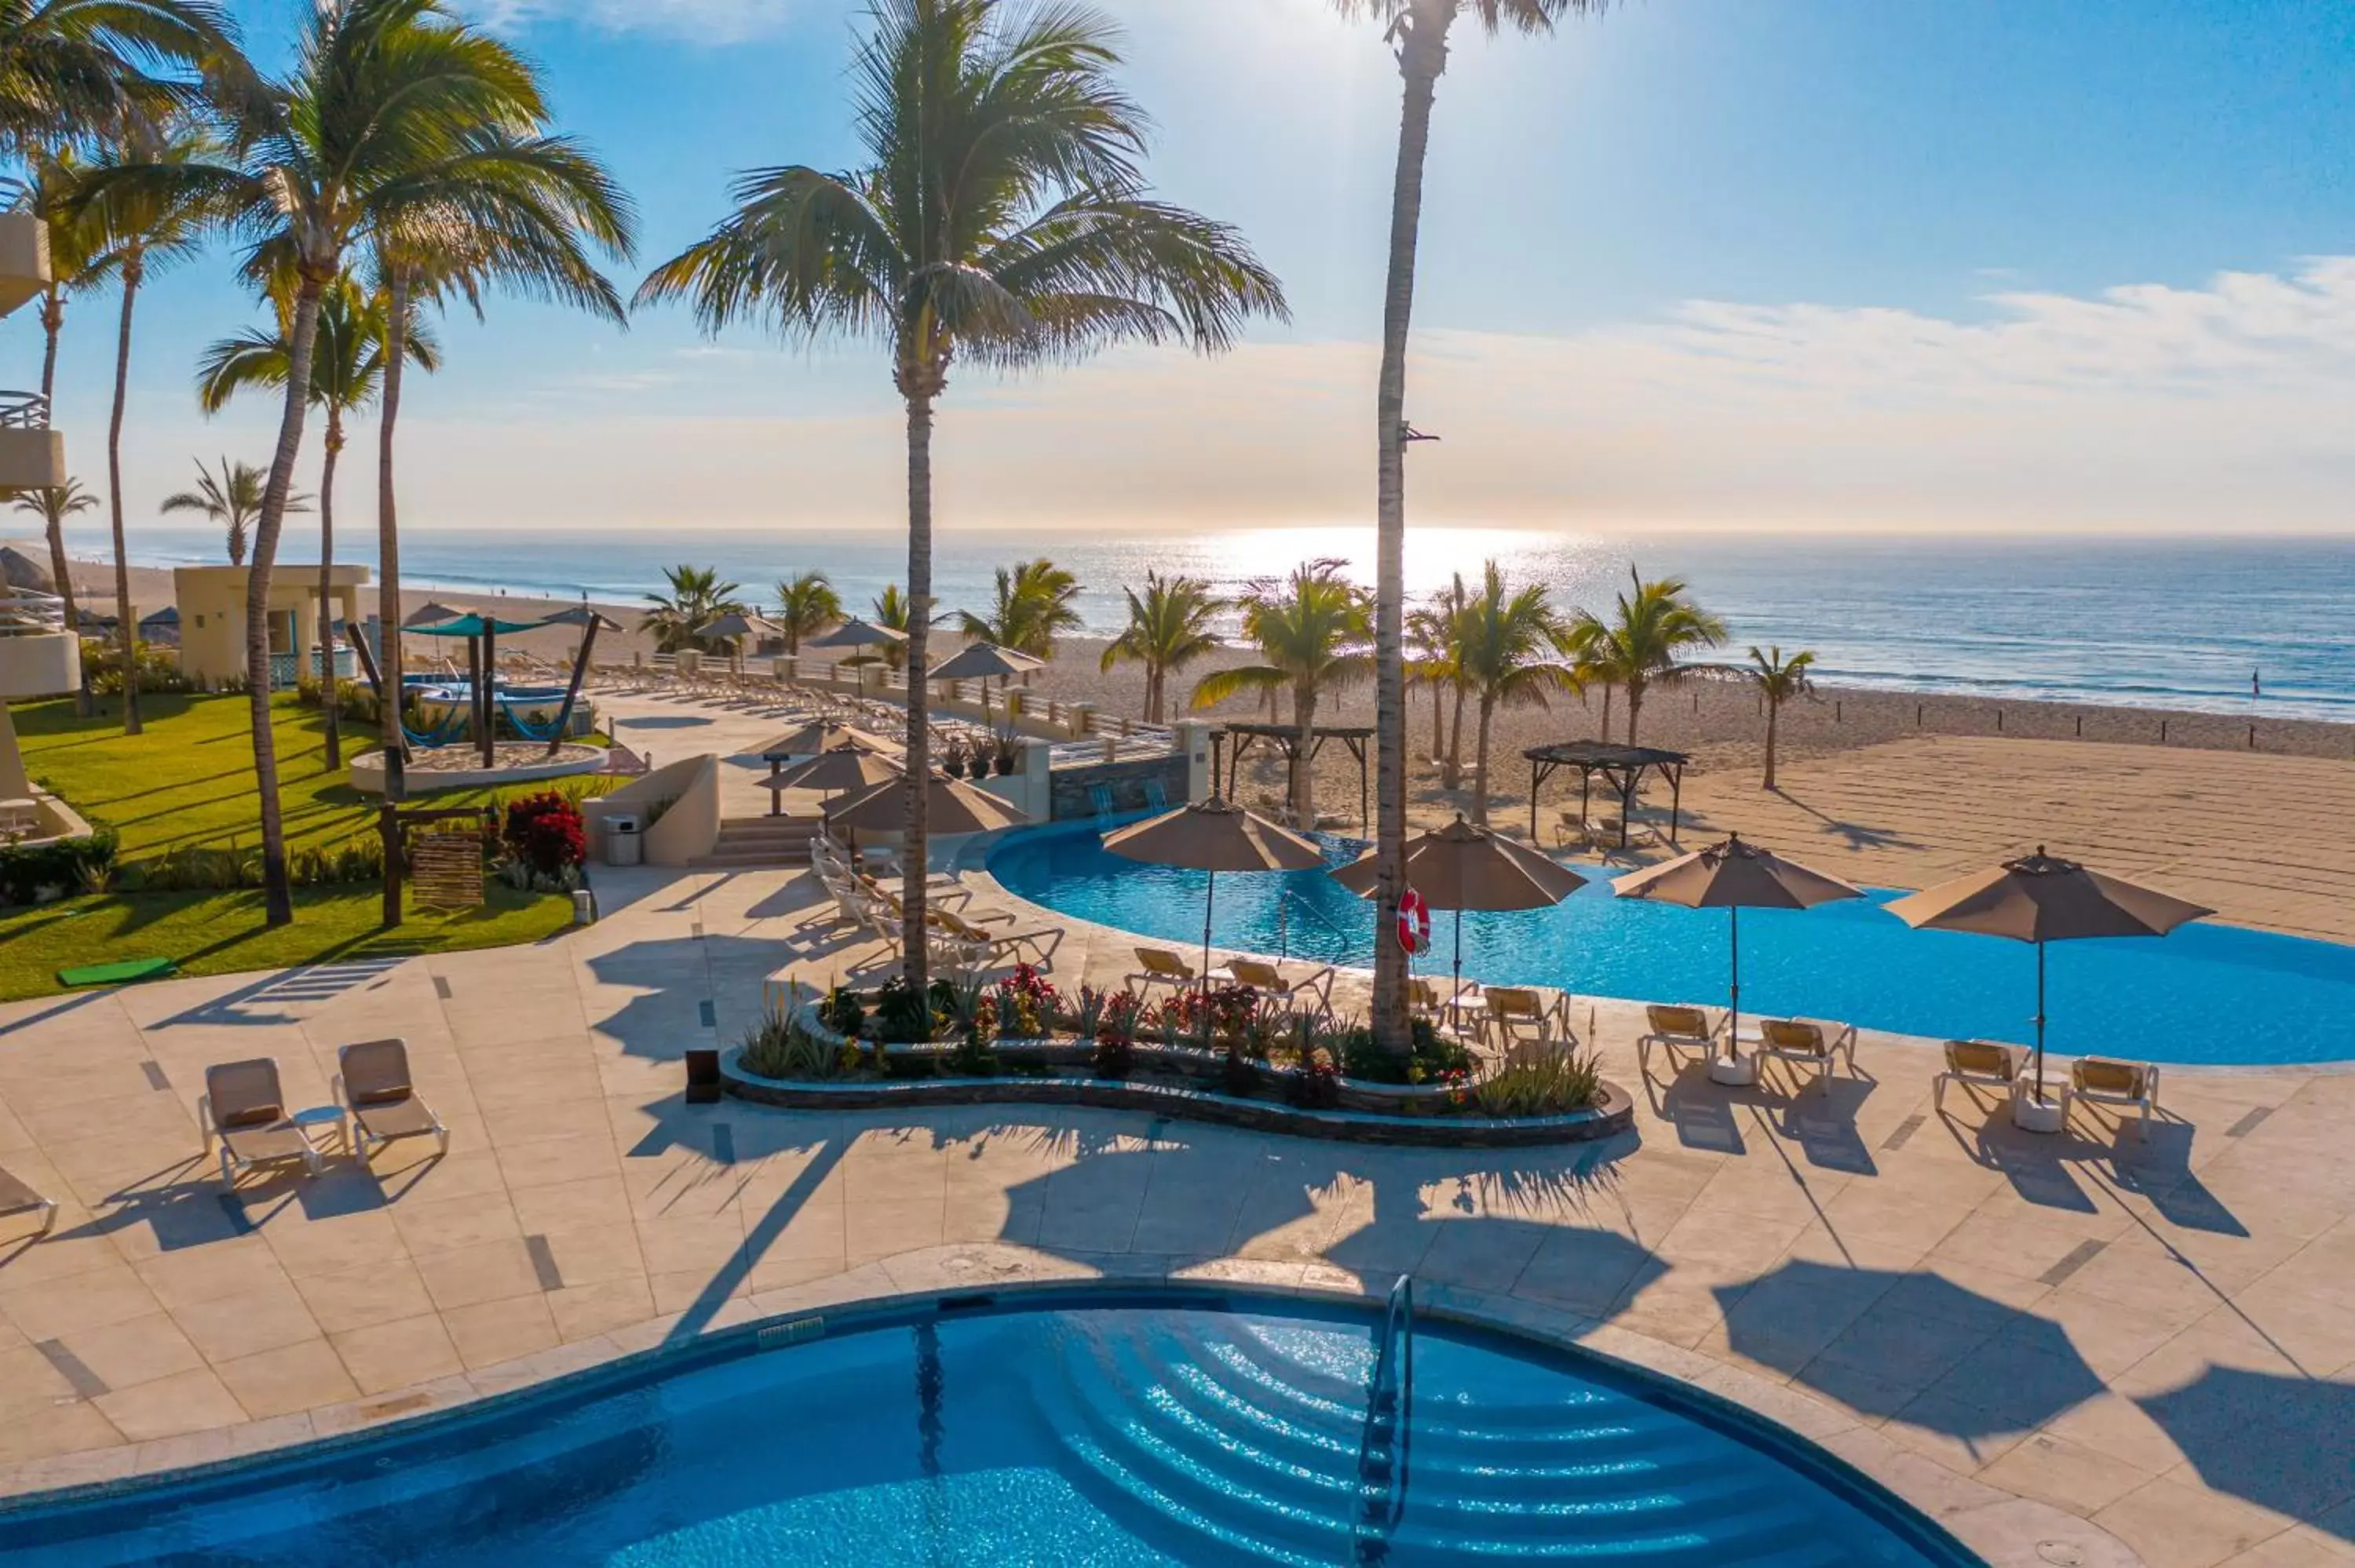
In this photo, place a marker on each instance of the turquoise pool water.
(1135, 1432)
(2209, 993)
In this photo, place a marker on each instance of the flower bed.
(1266, 1068)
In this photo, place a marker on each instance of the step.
(1262, 1465)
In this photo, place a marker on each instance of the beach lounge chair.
(244, 1111)
(1161, 967)
(1676, 1026)
(1266, 979)
(1518, 1020)
(1982, 1062)
(1808, 1042)
(1040, 940)
(2108, 1081)
(15, 1198)
(379, 1103)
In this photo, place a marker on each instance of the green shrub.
(902, 1016)
(841, 1012)
(1317, 1085)
(1434, 1058)
(159, 668)
(779, 1047)
(1553, 1086)
(357, 859)
(70, 864)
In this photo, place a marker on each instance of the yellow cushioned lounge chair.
(1981, 1062)
(15, 1198)
(1674, 1026)
(1161, 967)
(2108, 1081)
(1808, 1042)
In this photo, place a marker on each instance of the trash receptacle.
(625, 839)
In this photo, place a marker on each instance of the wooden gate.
(445, 869)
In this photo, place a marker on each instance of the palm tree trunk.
(1303, 775)
(1773, 714)
(53, 322)
(1423, 55)
(334, 747)
(278, 898)
(1450, 773)
(1438, 725)
(390, 688)
(1635, 709)
(1481, 789)
(914, 847)
(126, 623)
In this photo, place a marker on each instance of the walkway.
(2159, 1338)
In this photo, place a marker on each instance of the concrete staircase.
(749, 842)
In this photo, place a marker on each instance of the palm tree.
(79, 261)
(891, 611)
(697, 599)
(1310, 629)
(346, 371)
(145, 228)
(1512, 645)
(1168, 629)
(1643, 643)
(53, 505)
(77, 68)
(232, 498)
(1418, 31)
(409, 131)
(1001, 218)
(1778, 681)
(1033, 603)
(806, 605)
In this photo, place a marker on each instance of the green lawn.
(187, 780)
(222, 933)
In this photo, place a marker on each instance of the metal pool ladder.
(1386, 1434)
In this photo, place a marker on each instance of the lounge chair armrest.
(205, 1119)
(335, 1095)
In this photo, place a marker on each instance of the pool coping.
(2006, 1530)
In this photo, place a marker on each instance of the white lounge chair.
(2105, 1080)
(1808, 1042)
(1985, 1063)
(1677, 1026)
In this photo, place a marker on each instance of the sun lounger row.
(2098, 1080)
(957, 936)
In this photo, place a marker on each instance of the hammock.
(547, 731)
(453, 724)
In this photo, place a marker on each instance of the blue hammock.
(453, 723)
(548, 731)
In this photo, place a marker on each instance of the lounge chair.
(1163, 967)
(1808, 1042)
(1981, 1062)
(1675, 1027)
(1518, 1019)
(244, 1111)
(2107, 1081)
(1266, 979)
(379, 1103)
(15, 1198)
(1425, 1001)
(1041, 941)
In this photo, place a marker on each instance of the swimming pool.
(2209, 993)
(1101, 1429)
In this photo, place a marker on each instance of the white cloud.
(702, 21)
(2143, 406)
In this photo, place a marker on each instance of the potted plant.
(952, 760)
(1008, 755)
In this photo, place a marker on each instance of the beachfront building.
(32, 455)
(211, 602)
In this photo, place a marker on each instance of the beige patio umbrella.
(1734, 877)
(857, 633)
(433, 612)
(952, 807)
(1213, 836)
(981, 660)
(810, 739)
(2042, 898)
(735, 626)
(848, 766)
(1461, 867)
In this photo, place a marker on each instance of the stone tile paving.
(2157, 1336)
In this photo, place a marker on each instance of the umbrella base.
(2032, 1114)
(1733, 1072)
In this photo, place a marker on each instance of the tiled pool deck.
(2156, 1337)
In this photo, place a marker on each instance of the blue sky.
(1696, 263)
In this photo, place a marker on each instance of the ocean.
(2162, 623)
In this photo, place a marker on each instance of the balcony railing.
(25, 612)
(23, 411)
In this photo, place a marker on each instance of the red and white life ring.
(1413, 923)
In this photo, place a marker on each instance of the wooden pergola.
(1622, 768)
(1286, 737)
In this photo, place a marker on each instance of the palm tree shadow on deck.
(1858, 836)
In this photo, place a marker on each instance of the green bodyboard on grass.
(129, 971)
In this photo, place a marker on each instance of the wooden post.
(486, 687)
(387, 829)
(573, 691)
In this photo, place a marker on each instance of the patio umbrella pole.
(1734, 986)
(1456, 997)
(2040, 1023)
(1210, 898)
